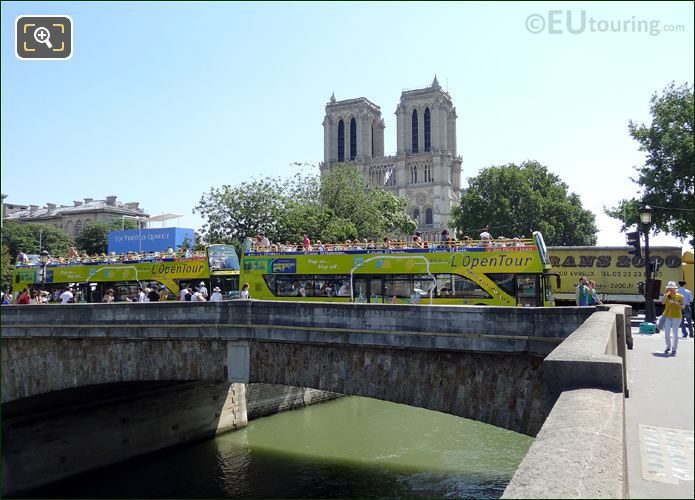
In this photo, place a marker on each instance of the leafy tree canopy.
(7, 268)
(515, 200)
(332, 207)
(18, 237)
(666, 178)
(94, 238)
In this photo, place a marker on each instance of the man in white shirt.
(216, 295)
(202, 290)
(141, 295)
(687, 311)
(66, 297)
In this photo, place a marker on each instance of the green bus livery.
(218, 266)
(504, 273)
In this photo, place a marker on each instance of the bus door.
(528, 290)
(547, 292)
(368, 289)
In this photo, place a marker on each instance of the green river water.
(348, 448)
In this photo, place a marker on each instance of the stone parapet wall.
(579, 452)
(580, 449)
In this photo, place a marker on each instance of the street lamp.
(43, 258)
(645, 216)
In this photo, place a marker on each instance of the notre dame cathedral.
(425, 169)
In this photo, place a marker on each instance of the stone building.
(425, 170)
(72, 219)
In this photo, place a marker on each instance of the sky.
(162, 101)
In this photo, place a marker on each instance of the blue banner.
(149, 240)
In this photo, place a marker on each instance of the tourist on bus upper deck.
(265, 242)
(216, 295)
(444, 238)
(203, 290)
(22, 258)
(6, 298)
(485, 235)
(306, 242)
(35, 297)
(387, 243)
(417, 240)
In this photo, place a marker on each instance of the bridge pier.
(49, 439)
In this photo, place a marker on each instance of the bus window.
(444, 288)
(506, 281)
(467, 289)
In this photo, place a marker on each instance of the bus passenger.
(444, 238)
(344, 290)
(245, 292)
(417, 240)
(108, 297)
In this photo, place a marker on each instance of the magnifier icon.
(42, 35)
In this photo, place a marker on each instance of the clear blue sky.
(161, 101)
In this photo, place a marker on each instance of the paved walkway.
(659, 418)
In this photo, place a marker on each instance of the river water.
(348, 448)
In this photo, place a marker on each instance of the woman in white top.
(245, 292)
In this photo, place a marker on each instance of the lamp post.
(43, 258)
(645, 216)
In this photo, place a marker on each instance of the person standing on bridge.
(673, 313)
(687, 311)
(582, 292)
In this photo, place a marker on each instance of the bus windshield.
(222, 257)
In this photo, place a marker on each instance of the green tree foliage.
(94, 238)
(333, 207)
(7, 268)
(515, 200)
(26, 237)
(666, 178)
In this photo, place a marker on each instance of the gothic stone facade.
(425, 169)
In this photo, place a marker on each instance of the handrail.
(397, 245)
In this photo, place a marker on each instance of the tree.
(516, 200)
(333, 207)
(666, 178)
(29, 238)
(94, 238)
(7, 268)
(374, 211)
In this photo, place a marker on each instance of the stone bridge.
(482, 363)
